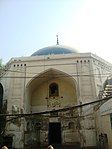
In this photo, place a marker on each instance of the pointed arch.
(1, 95)
(51, 88)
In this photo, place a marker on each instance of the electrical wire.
(56, 75)
(92, 70)
(58, 110)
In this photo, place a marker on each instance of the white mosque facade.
(46, 95)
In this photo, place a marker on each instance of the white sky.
(28, 25)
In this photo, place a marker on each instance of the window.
(77, 61)
(71, 125)
(53, 90)
(111, 119)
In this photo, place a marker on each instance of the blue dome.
(57, 49)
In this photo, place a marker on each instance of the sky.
(29, 25)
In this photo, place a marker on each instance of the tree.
(1, 67)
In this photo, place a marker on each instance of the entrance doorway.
(54, 134)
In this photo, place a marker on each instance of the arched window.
(71, 125)
(53, 90)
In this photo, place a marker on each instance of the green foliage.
(1, 67)
(1, 63)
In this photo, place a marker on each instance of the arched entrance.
(49, 91)
(1, 95)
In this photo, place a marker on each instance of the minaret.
(57, 40)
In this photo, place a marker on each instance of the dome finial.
(57, 40)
